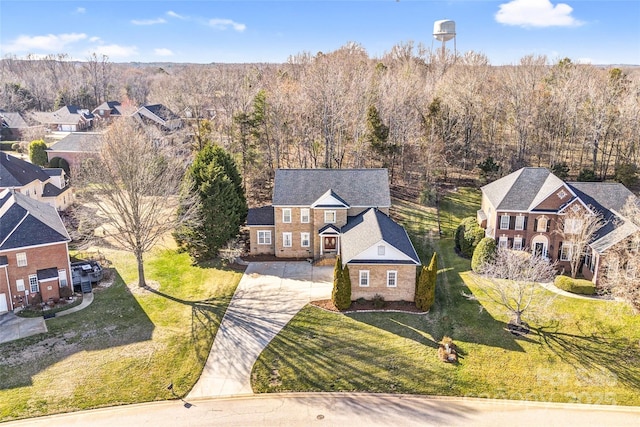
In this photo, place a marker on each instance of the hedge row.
(576, 286)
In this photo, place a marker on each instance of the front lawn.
(126, 347)
(578, 350)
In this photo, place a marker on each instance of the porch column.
(321, 244)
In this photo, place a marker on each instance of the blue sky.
(595, 31)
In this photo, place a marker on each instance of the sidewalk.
(86, 300)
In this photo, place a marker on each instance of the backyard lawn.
(584, 351)
(126, 347)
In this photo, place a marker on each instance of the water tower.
(443, 31)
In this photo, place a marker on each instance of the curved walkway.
(268, 296)
(553, 288)
(87, 299)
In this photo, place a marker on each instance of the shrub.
(378, 301)
(587, 175)
(468, 235)
(65, 292)
(8, 145)
(36, 299)
(561, 170)
(627, 174)
(484, 253)
(576, 286)
(38, 152)
(59, 162)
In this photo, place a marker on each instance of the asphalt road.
(344, 409)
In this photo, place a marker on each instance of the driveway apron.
(268, 296)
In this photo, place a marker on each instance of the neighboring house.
(48, 185)
(12, 125)
(69, 118)
(161, 116)
(322, 213)
(75, 148)
(34, 254)
(525, 209)
(112, 109)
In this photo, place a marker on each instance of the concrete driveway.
(13, 327)
(268, 296)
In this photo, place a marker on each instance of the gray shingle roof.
(79, 142)
(28, 222)
(357, 187)
(12, 120)
(66, 115)
(522, 190)
(261, 216)
(15, 172)
(371, 226)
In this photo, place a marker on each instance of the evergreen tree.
(484, 253)
(341, 293)
(426, 286)
(38, 152)
(214, 177)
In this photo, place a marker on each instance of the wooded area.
(426, 116)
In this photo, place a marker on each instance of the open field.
(577, 351)
(126, 346)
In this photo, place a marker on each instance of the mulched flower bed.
(367, 305)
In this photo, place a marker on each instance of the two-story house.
(320, 213)
(48, 185)
(527, 210)
(34, 254)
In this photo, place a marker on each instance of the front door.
(330, 243)
(539, 250)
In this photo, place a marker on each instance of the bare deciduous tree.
(578, 227)
(134, 183)
(512, 282)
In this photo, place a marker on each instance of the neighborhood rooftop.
(15, 172)
(357, 187)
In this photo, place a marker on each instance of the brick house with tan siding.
(34, 256)
(320, 213)
(525, 209)
(75, 148)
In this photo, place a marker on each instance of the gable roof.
(261, 216)
(79, 142)
(15, 172)
(522, 190)
(12, 120)
(356, 187)
(28, 222)
(66, 115)
(370, 227)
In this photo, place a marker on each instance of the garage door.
(3, 303)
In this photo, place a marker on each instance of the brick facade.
(255, 248)
(38, 258)
(405, 289)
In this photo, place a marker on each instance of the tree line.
(425, 115)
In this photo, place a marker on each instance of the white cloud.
(536, 13)
(148, 21)
(116, 51)
(95, 39)
(172, 14)
(224, 24)
(81, 10)
(49, 43)
(163, 52)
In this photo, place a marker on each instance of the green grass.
(125, 347)
(577, 351)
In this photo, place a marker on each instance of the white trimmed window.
(517, 243)
(20, 285)
(504, 222)
(264, 237)
(304, 215)
(62, 278)
(572, 225)
(381, 250)
(502, 243)
(33, 283)
(329, 217)
(566, 252)
(286, 240)
(304, 240)
(542, 225)
(364, 278)
(392, 279)
(21, 259)
(520, 222)
(286, 215)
